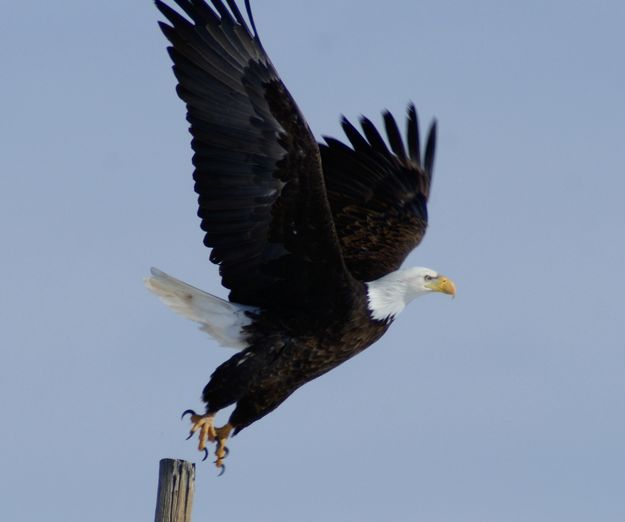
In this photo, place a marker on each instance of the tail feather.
(221, 319)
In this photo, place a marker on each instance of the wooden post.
(176, 483)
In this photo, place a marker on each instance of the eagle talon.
(223, 469)
(187, 412)
(205, 454)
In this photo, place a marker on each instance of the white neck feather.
(390, 294)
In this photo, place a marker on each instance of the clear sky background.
(506, 404)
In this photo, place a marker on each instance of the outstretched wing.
(262, 198)
(378, 196)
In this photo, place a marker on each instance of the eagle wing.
(261, 193)
(378, 196)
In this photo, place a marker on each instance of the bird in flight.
(309, 237)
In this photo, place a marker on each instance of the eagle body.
(288, 348)
(309, 237)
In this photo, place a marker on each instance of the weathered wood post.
(176, 484)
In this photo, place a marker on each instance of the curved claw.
(223, 470)
(226, 451)
(187, 412)
(205, 454)
(190, 435)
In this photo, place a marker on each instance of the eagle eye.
(428, 278)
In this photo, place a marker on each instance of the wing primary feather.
(189, 9)
(252, 23)
(174, 18)
(204, 12)
(394, 137)
(374, 137)
(237, 13)
(336, 144)
(355, 138)
(226, 16)
(414, 145)
(187, 42)
(430, 149)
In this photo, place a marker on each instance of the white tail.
(221, 319)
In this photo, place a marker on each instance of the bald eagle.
(309, 237)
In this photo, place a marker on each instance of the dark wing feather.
(394, 136)
(261, 192)
(378, 197)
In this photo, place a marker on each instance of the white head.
(390, 294)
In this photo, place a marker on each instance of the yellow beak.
(443, 284)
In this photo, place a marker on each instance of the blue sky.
(506, 404)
